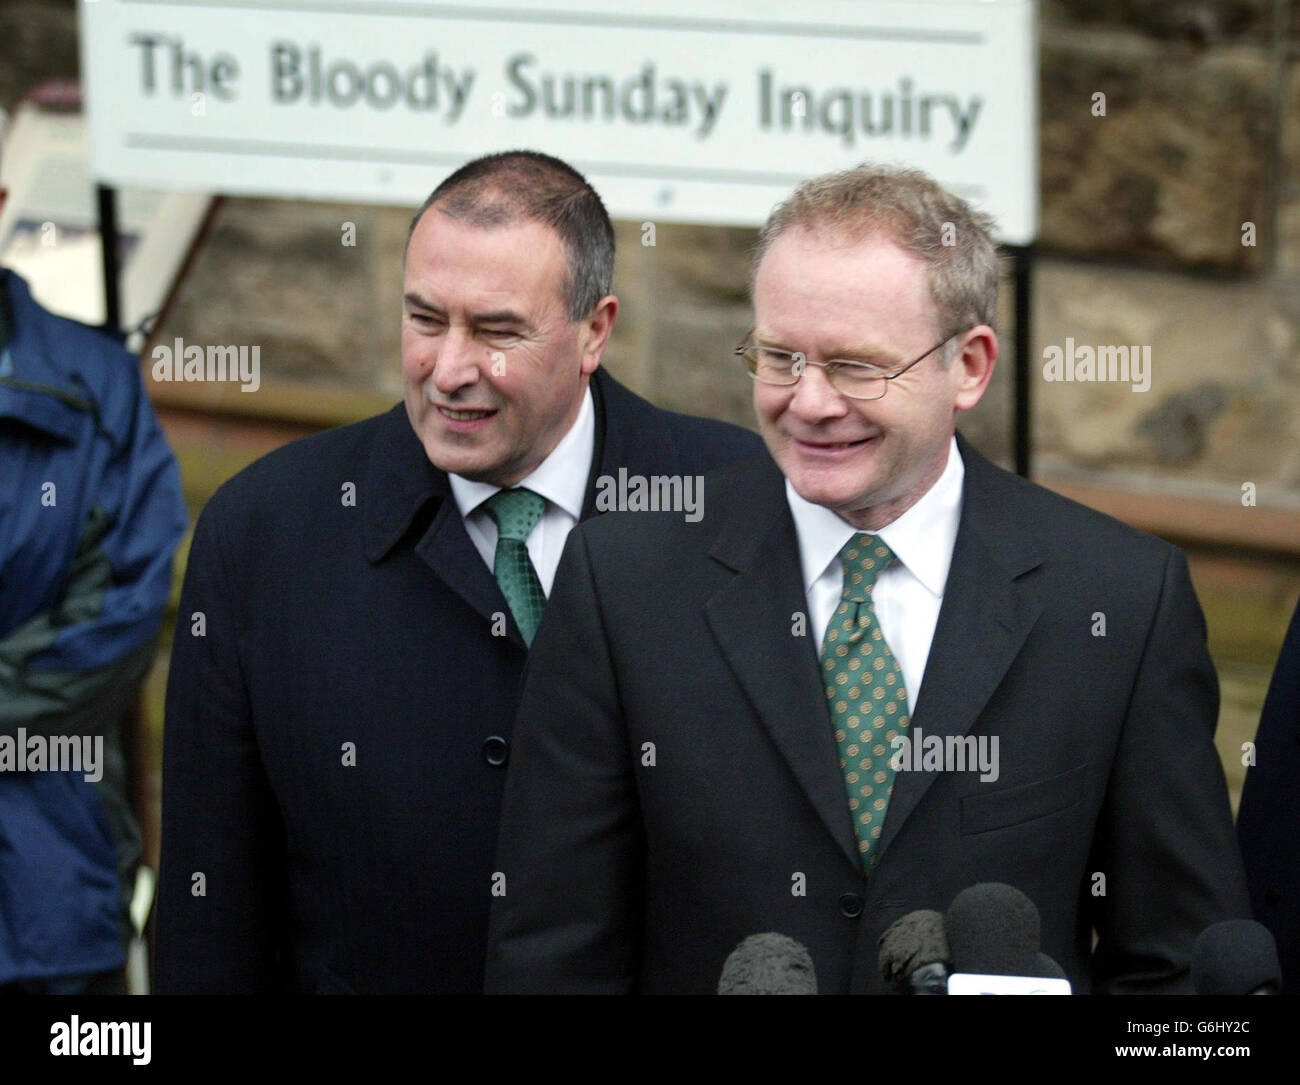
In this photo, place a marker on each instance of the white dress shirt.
(909, 593)
(561, 479)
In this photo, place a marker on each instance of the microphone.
(993, 930)
(768, 964)
(914, 956)
(1236, 957)
(1046, 968)
(993, 934)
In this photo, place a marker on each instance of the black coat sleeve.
(1165, 841)
(572, 848)
(221, 895)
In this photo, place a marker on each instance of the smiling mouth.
(829, 446)
(464, 416)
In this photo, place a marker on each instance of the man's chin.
(834, 498)
(456, 459)
(832, 488)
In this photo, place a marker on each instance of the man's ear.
(972, 366)
(595, 331)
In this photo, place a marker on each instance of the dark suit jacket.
(674, 641)
(1268, 822)
(332, 628)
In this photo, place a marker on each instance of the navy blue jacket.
(337, 737)
(90, 516)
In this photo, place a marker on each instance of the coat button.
(851, 905)
(496, 750)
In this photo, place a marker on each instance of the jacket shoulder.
(743, 486)
(293, 476)
(83, 360)
(711, 441)
(702, 443)
(1027, 513)
(67, 344)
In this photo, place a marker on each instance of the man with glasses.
(883, 673)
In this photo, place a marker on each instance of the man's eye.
(775, 357)
(501, 333)
(425, 320)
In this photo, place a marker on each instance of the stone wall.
(1144, 211)
(1145, 214)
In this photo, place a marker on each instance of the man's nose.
(815, 398)
(456, 363)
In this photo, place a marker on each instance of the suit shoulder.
(742, 480)
(710, 441)
(294, 472)
(699, 443)
(1090, 537)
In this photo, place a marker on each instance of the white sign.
(684, 110)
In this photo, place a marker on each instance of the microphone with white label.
(993, 934)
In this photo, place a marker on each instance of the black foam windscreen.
(1235, 957)
(917, 939)
(993, 929)
(768, 964)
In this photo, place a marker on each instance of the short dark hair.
(528, 186)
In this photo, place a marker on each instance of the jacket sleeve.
(66, 669)
(571, 849)
(67, 701)
(1165, 840)
(221, 893)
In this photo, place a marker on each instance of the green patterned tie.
(516, 512)
(864, 687)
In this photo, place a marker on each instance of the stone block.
(1176, 166)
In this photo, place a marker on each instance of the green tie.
(516, 512)
(864, 687)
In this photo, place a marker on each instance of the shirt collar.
(922, 538)
(561, 478)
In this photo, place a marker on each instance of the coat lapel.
(752, 618)
(987, 612)
(404, 488)
(630, 433)
(401, 483)
(448, 550)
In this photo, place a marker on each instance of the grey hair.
(528, 186)
(920, 216)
